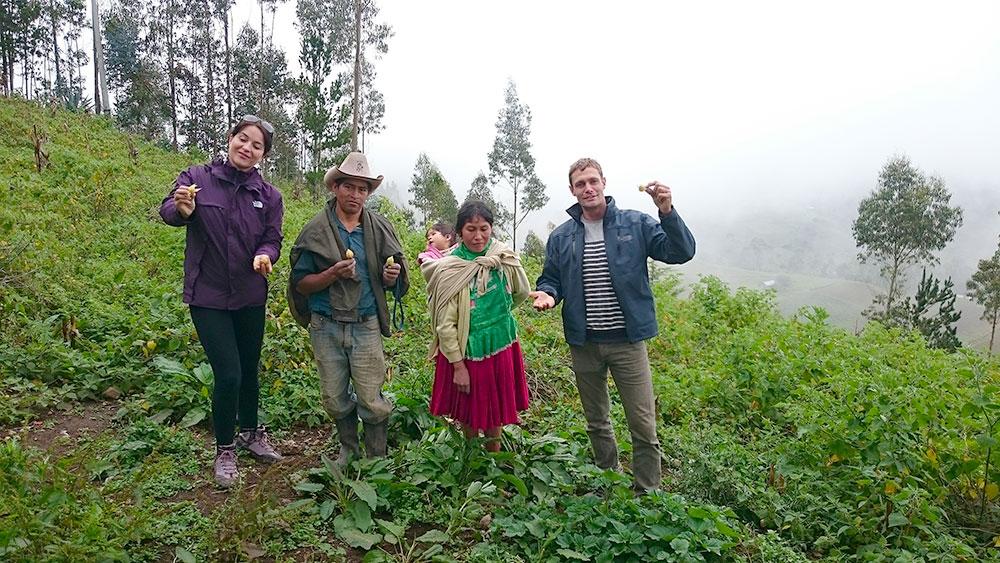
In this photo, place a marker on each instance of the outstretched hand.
(184, 199)
(661, 196)
(541, 300)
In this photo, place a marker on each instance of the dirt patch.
(58, 432)
(301, 448)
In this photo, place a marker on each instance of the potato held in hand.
(349, 254)
(193, 190)
(390, 261)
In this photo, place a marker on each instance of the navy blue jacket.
(629, 237)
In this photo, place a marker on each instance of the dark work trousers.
(232, 341)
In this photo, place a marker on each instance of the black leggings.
(232, 341)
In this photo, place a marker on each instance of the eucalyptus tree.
(135, 73)
(260, 79)
(222, 8)
(370, 36)
(904, 221)
(64, 20)
(23, 33)
(511, 161)
(204, 121)
(984, 289)
(101, 103)
(322, 46)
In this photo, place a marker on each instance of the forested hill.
(783, 439)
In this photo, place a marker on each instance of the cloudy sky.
(733, 104)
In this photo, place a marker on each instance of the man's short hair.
(583, 164)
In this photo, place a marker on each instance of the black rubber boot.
(376, 436)
(347, 432)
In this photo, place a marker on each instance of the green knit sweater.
(492, 327)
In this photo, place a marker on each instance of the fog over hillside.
(806, 253)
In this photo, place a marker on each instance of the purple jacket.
(237, 216)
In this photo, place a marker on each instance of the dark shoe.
(347, 432)
(375, 438)
(226, 472)
(257, 443)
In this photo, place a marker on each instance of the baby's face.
(437, 240)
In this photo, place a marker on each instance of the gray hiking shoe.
(257, 443)
(226, 473)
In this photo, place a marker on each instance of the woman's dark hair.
(470, 209)
(265, 128)
(445, 229)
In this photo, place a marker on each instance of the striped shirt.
(603, 310)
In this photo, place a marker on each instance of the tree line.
(180, 76)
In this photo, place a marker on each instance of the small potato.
(390, 261)
(349, 254)
(193, 190)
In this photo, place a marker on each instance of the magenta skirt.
(498, 390)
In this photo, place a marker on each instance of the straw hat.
(354, 166)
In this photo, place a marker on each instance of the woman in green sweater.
(479, 378)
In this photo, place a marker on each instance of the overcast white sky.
(733, 104)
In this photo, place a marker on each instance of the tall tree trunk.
(98, 108)
(514, 234)
(171, 74)
(892, 287)
(229, 87)
(101, 103)
(357, 73)
(25, 63)
(4, 56)
(69, 67)
(993, 332)
(55, 47)
(260, 75)
(270, 38)
(3, 67)
(213, 137)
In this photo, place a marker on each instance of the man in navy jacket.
(597, 263)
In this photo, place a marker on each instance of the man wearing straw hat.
(343, 262)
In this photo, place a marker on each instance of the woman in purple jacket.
(233, 222)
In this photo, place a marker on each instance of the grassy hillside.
(784, 439)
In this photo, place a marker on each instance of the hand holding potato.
(184, 199)
(390, 272)
(343, 269)
(262, 264)
(661, 195)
